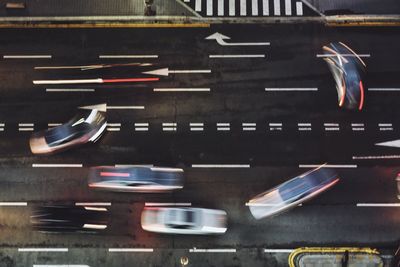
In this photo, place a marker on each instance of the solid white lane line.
(133, 165)
(53, 124)
(93, 204)
(196, 124)
(290, 89)
(288, 7)
(357, 124)
(221, 7)
(128, 56)
(383, 89)
(113, 124)
(26, 56)
(69, 90)
(344, 55)
(2, 124)
(130, 250)
(197, 129)
(379, 205)
(265, 7)
(60, 265)
(328, 165)
(299, 8)
(377, 157)
(232, 10)
(249, 128)
(189, 71)
(38, 165)
(110, 129)
(385, 124)
(223, 124)
(73, 81)
(238, 56)
(303, 124)
(161, 204)
(169, 129)
(125, 107)
(25, 129)
(271, 250)
(42, 249)
(11, 204)
(275, 124)
(243, 7)
(25, 124)
(1, 129)
(197, 6)
(223, 129)
(254, 7)
(141, 124)
(212, 250)
(305, 129)
(248, 204)
(141, 129)
(181, 89)
(209, 7)
(331, 124)
(277, 7)
(249, 124)
(220, 165)
(332, 129)
(169, 124)
(386, 129)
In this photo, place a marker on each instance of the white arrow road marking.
(104, 107)
(394, 143)
(220, 38)
(167, 71)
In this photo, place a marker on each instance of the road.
(254, 117)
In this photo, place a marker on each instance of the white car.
(187, 220)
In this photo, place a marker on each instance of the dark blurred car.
(292, 192)
(59, 219)
(398, 185)
(348, 70)
(136, 179)
(86, 126)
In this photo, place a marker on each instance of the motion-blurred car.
(59, 219)
(136, 179)
(348, 70)
(177, 220)
(86, 126)
(292, 192)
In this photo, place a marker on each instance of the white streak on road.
(93, 204)
(379, 205)
(328, 165)
(130, 250)
(27, 56)
(383, 89)
(290, 89)
(344, 55)
(237, 56)
(127, 56)
(42, 249)
(160, 204)
(220, 165)
(38, 165)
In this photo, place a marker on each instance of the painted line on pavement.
(290, 89)
(377, 157)
(42, 249)
(25, 129)
(13, 204)
(60, 265)
(26, 56)
(220, 165)
(133, 165)
(25, 124)
(378, 205)
(271, 250)
(237, 56)
(383, 89)
(38, 165)
(212, 250)
(189, 71)
(69, 90)
(344, 55)
(125, 107)
(181, 90)
(127, 56)
(113, 124)
(93, 204)
(160, 204)
(130, 250)
(327, 165)
(111, 129)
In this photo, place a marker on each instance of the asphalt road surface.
(239, 119)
